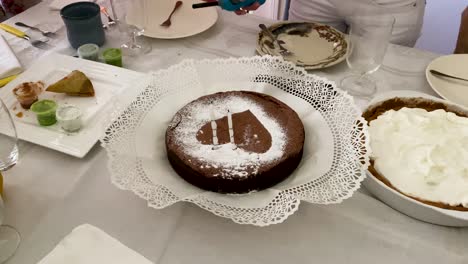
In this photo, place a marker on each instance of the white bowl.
(402, 203)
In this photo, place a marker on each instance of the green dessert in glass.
(45, 112)
(89, 51)
(113, 57)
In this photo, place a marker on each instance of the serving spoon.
(168, 22)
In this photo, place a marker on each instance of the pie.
(420, 149)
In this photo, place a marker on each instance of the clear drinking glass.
(9, 237)
(134, 44)
(369, 36)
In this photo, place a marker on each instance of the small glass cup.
(69, 118)
(89, 51)
(8, 139)
(369, 36)
(136, 45)
(27, 93)
(45, 112)
(113, 57)
(9, 237)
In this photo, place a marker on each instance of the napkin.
(9, 64)
(87, 244)
(59, 4)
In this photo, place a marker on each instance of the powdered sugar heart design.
(249, 133)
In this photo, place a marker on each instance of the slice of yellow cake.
(74, 84)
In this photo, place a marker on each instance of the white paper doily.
(336, 151)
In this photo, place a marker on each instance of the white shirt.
(408, 14)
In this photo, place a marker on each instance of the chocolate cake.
(235, 142)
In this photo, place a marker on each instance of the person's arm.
(241, 11)
(462, 41)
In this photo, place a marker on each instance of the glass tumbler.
(9, 237)
(369, 36)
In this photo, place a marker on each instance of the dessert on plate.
(28, 92)
(235, 142)
(45, 112)
(420, 149)
(74, 84)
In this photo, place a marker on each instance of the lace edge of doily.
(197, 201)
(283, 192)
(255, 222)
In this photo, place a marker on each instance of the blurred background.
(439, 33)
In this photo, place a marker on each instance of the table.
(49, 193)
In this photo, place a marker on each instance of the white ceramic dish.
(403, 203)
(186, 21)
(107, 81)
(453, 90)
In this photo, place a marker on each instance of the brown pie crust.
(396, 104)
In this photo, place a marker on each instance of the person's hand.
(462, 42)
(244, 10)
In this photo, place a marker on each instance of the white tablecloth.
(49, 193)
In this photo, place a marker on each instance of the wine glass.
(135, 44)
(9, 237)
(369, 36)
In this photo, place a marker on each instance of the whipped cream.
(423, 154)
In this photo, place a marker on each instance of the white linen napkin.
(59, 4)
(87, 244)
(9, 64)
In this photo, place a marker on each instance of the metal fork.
(44, 32)
(20, 34)
(37, 43)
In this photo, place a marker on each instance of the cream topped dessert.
(423, 154)
(27, 93)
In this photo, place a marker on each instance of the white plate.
(186, 21)
(336, 150)
(402, 203)
(452, 90)
(107, 81)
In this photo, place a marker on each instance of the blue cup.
(83, 23)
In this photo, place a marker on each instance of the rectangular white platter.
(107, 81)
